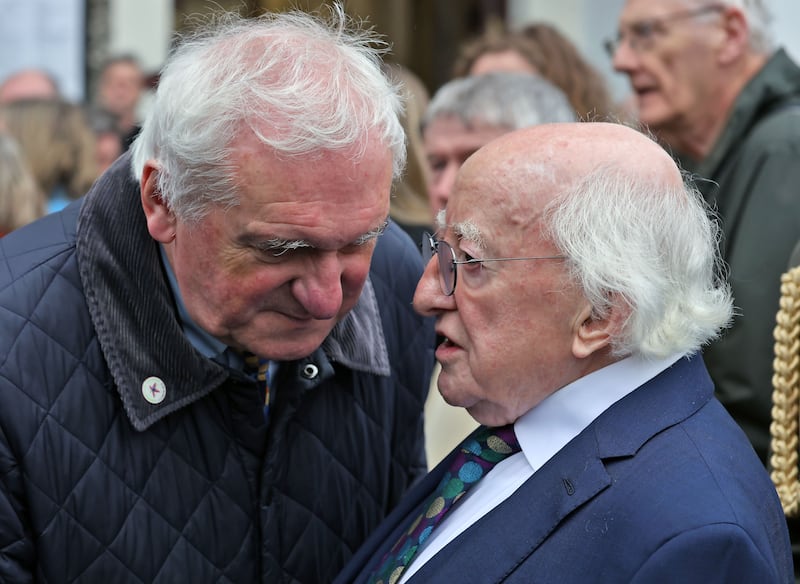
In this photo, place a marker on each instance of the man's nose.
(624, 58)
(319, 290)
(441, 188)
(429, 300)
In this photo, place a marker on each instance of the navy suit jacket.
(662, 487)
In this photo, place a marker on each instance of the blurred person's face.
(27, 85)
(274, 274)
(107, 148)
(448, 143)
(121, 87)
(667, 52)
(510, 61)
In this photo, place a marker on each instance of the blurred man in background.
(28, 84)
(122, 83)
(709, 82)
(711, 86)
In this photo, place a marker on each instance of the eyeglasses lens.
(447, 267)
(428, 247)
(446, 259)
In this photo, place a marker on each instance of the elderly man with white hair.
(572, 279)
(709, 81)
(209, 366)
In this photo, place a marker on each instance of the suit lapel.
(381, 540)
(570, 479)
(574, 476)
(533, 512)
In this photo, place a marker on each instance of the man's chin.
(451, 392)
(290, 347)
(655, 117)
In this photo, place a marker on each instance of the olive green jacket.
(755, 169)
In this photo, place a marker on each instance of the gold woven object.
(786, 395)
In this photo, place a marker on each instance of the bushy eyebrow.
(468, 231)
(464, 230)
(278, 246)
(441, 220)
(373, 234)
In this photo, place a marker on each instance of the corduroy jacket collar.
(133, 312)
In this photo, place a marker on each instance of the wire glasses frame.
(641, 34)
(448, 263)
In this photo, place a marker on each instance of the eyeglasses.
(448, 262)
(641, 35)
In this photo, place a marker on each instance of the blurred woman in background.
(409, 205)
(57, 145)
(20, 199)
(540, 48)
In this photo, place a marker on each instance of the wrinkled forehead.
(489, 209)
(507, 185)
(638, 10)
(466, 229)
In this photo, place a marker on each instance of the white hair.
(501, 99)
(759, 19)
(301, 83)
(630, 239)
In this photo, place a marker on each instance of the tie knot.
(492, 444)
(255, 366)
(477, 455)
(258, 368)
(251, 361)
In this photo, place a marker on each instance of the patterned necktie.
(257, 367)
(476, 456)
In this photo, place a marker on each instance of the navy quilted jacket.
(99, 485)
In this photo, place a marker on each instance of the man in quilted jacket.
(136, 443)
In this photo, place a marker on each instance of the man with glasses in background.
(708, 81)
(574, 284)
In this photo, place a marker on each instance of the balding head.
(557, 156)
(28, 84)
(572, 246)
(640, 240)
(467, 113)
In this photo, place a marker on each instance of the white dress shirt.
(541, 432)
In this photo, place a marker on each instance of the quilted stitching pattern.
(196, 498)
(77, 422)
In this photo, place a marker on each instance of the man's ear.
(160, 219)
(736, 38)
(594, 333)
